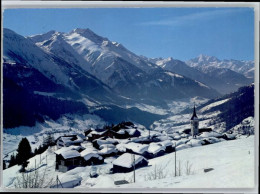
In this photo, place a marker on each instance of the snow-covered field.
(232, 164)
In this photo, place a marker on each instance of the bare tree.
(158, 172)
(33, 179)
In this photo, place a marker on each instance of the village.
(128, 146)
(119, 155)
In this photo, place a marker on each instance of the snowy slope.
(220, 114)
(31, 56)
(233, 168)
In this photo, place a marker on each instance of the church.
(194, 121)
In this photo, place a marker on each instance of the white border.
(136, 4)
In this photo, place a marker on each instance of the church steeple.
(194, 115)
(194, 121)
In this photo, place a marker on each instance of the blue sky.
(181, 33)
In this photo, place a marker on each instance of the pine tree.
(24, 151)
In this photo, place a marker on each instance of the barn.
(127, 162)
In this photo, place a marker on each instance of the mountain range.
(47, 75)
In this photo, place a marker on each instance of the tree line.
(24, 152)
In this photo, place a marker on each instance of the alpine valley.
(109, 103)
(51, 74)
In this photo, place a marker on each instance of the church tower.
(194, 121)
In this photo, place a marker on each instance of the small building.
(128, 162)
(121, 134)
(95, 135)
(194, 121)
(68, 140)
(137, 148)
(98, 142)
(168, 146)
(91, 157)
(155, 150)
(133, 132)
(67, 159)
(108, 151)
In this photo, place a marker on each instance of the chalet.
(133, 132)
(98, 142)
(91, 157)
(121, 134)
(155, 150)
(66, 141)
(137, 148)
(128, 162)
(108, 151)
(67, 159)
(95, 135)
(168, 146)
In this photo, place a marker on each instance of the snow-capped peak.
(203, 58)
(87, 33)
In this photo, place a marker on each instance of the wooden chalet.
(67, 159)
(127, 162)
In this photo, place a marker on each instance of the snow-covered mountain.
(83, 72)
(203, 62)
(122, 70)
(223, 79)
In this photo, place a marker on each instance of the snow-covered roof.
(107, 151)
(68, 140)
(95, 133)
(88, 151)
(121, 147)
(195, 142)
(179, 142)
(212, 139)
(166, 143)
(107, 141)
(92, 155)
(131, 131)
(137, 147)
(107, 146)
(126, 160)
(210, 134)
(176, 137)
(155, 148)
(121, 131)
(70, 154)
(74, 147)
(65, 149)
(81, 137)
